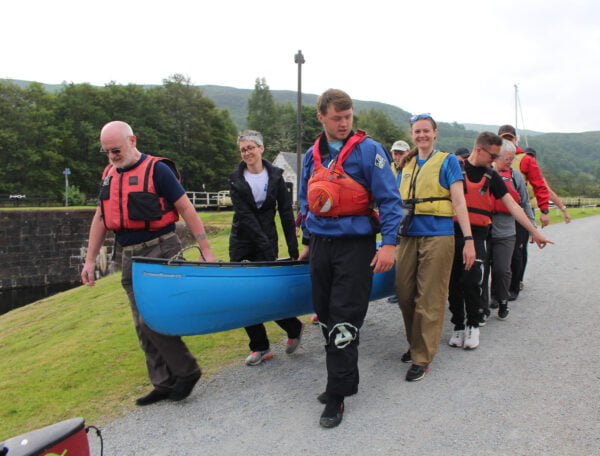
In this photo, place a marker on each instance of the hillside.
(570, 161)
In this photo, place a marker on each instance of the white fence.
(210, 200)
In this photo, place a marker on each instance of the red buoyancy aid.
(479, 200)
(332, 192)
(498, 205)
(129, 201)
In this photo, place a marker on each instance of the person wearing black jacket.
(257, 191)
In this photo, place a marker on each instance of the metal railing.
(210, 200)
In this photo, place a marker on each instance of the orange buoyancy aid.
(498, 205)
(129, 201)
(332, 192)
(479, 200)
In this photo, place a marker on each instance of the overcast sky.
(458, 60)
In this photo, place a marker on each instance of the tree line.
(42, 134)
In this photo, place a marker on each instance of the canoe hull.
(186, 298)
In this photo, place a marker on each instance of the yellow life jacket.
(421, 187)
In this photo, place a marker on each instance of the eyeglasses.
(494, 156)
(114, 150)
(508, 159)
(243, 150)
(426, 115)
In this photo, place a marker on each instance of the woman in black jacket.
(257, 191)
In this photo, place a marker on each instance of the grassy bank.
(76, 353)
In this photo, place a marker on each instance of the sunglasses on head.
(426, 115)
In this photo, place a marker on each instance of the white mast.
(518, 109)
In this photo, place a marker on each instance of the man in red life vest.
(344, 174)
(482, 184)
(140, 200)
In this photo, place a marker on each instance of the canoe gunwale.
(231, 264)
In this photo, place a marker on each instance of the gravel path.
(531, 388)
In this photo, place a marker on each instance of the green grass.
(76, 353)
(556, 215)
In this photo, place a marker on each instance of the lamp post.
(66, 172)
(299, 59)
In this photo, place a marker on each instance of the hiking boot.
(406, 357)
(183, 388)
(416, 373)
(471, 338)
(323, 397)
(503, 311)
(258, 357)
(457, 339)
(332, 419)
(153, 396)
(293, 344)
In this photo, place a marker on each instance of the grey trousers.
(167, 357)
(501, 252)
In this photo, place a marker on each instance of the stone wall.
(46, 247)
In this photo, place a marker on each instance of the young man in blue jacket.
(345, 175)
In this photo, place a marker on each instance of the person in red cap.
(527, 165)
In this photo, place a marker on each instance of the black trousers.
(466, 287)
(257, 333)
(341, 285)
(519, 258)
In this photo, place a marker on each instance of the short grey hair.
(250, 135)
(507, 146)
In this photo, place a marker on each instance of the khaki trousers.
(423, 266)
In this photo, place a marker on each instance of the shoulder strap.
(355, 139)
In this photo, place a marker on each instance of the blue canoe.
(184, 298)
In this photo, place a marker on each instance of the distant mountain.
(494, 128)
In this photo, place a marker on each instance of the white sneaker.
(457, 339)
(471, 338)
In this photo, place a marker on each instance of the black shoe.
(493, 304)
(323, 398)
(332, 421)
(156, 395)
(503, 311)
(406, 357)
(183, 388)
(416, 373)
(513, 295)
(483, 316)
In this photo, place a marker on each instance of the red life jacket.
(498, 205)
(479, 200)
(332, 192)
(129, 201)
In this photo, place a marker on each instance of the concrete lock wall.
(45, 247)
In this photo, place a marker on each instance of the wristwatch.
(544, 211)
(468, 238)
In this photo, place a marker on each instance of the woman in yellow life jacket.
(431, 186)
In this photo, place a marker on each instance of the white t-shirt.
(258, 183)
